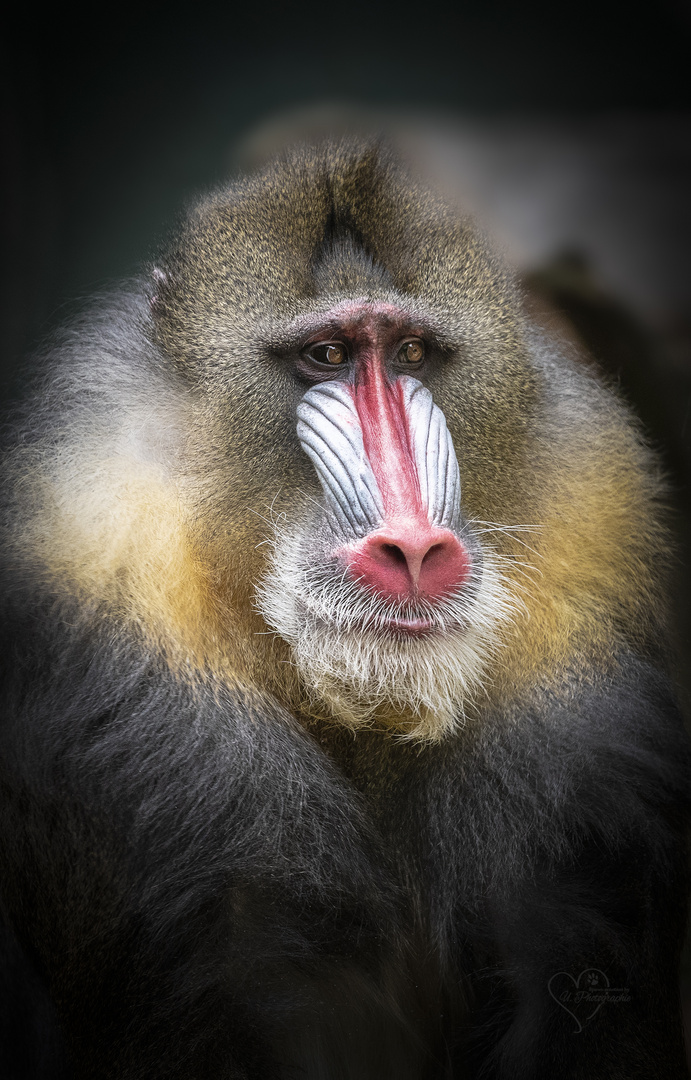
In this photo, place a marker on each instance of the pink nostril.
(390, 551)
(409, 558)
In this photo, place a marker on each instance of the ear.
(158, 282)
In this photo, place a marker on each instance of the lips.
(372, 614)
(415, 627)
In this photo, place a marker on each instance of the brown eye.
(332, 353)
(411, 353)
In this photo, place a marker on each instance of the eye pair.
(332, 354)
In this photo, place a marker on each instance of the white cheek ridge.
(330, 434)
(435, 458)
(355, 671)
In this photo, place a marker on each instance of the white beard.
(351, 663)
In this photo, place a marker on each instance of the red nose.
(409, 558)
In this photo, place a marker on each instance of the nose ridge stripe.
(384, 418)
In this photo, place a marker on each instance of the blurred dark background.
(114, 116)
(568, 127)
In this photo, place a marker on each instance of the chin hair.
(354, 669)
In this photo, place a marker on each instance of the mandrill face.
(384, 594)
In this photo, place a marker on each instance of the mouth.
(344, 607)
(409, 627)
(385, 625)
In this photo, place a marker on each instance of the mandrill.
(337, 739)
